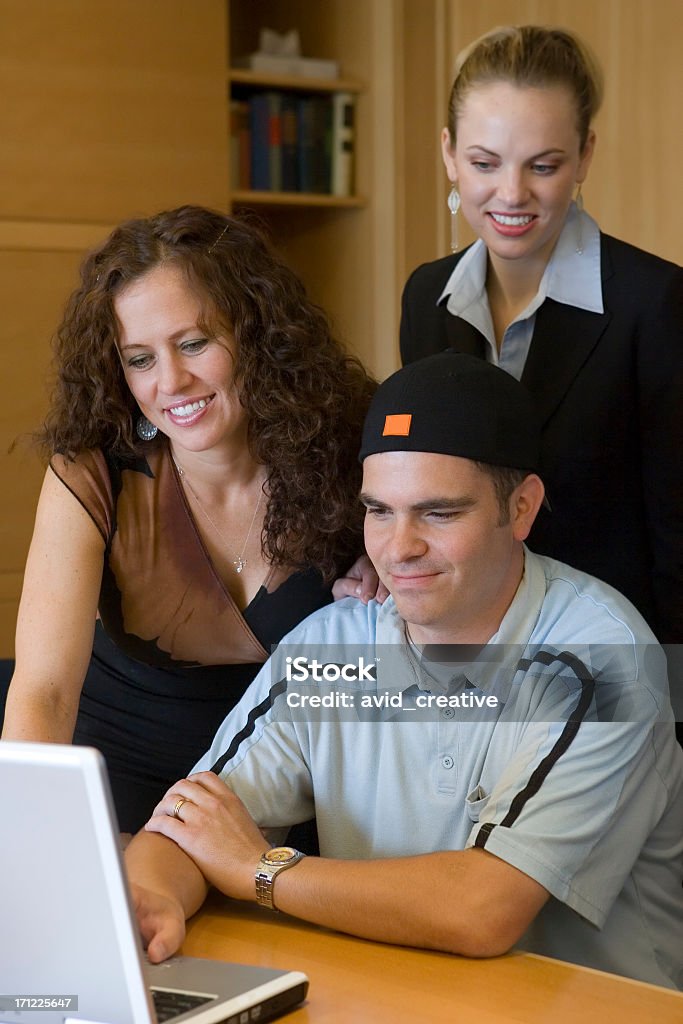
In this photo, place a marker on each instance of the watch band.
(269, 867)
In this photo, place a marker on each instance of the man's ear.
(525, 501)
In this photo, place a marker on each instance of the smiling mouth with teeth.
(189, 408)
(512, 221)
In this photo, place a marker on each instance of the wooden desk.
(358, 982)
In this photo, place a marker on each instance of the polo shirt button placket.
(448, 744)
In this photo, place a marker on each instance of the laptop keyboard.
(169, 1004)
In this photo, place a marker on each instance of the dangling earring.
(454, 206)
(145, 429)
(579, 225)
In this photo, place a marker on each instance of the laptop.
(69, 945)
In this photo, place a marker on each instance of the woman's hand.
(213, 827)
(361, 581)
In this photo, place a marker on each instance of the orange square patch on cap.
(397, 425)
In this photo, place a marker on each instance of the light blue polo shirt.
(552, 747)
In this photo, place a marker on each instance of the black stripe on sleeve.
(571, 728)
(261, 709)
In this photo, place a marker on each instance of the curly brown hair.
(305, 397)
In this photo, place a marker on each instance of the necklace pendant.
(239, 564)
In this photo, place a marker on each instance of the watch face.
(280, 855)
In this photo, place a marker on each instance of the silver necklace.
(239, 562)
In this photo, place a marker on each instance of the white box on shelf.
(271, 64)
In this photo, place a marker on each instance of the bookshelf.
(337, 244)
(291, 143)
(239, 76)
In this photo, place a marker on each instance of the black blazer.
(609, 389)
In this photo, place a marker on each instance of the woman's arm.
(56, 619)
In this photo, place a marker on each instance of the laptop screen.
(68, 936)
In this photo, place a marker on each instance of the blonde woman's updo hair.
(533, 56)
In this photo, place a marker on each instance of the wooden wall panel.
(347, 258)
(422, 186)
(111, 110)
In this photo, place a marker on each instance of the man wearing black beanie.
(490, 754)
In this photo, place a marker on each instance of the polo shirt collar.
(492, 671)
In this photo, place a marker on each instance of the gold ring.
(176, 809)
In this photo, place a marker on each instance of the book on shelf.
(290, 161)
(240, 145)
(265, 121)
(275, 140)
(322, 143)
(293, 142)
(343, 144)
(314, 124)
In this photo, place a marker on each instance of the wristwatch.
(269, 867)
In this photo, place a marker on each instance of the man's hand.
(161, 921)
(361, 581)
(214, 828)
(214, 839)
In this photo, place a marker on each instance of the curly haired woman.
(201, 495)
